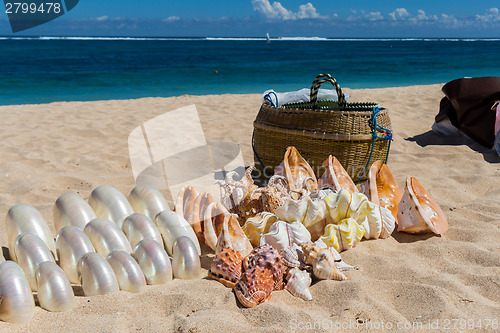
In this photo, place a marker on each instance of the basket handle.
(318, 81)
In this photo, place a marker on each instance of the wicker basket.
(357, 134)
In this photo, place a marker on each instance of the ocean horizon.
(44, 69)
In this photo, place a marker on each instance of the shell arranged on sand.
(339, 262)
(322, 262)
(258, 225)
(282, 235)
(236, 195)
(171, 226)
(312, 213)
(30, 252)
(128, 272)
(335, 176)
(106, 237)
(226, 267)
(381, 188)
(185, 201)
(297, 171)
(53, 288)
(147, 200)
(70, 209)
(267, 256)
(185, 259)
(254, 287)
(215, 214)
(418, 212)
(25, 218)
(109, 203)
(17, 305)
(137, 227)
(273, 195)
(154, 261)
(196, 220)
(344, 235)
(71, 245)
(293, 257)
(232, 236)
(298, 283)
(96, 275)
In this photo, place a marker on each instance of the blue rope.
(268, 98)
(387, 136)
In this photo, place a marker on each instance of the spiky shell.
(298, 283)
(254, 287)
(267, 256)
(226, 267)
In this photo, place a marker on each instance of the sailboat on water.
(268, 38)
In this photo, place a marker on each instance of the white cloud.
(277, 11)
(399, 14)
(171, 19)
(492, 15)
(374, 16)
(102, 18)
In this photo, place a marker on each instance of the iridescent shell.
(70, 209)
(137, 227)
(344, 235)
(172, 226)
(232, 236)
(258, 225)
(323, 262)
(267, 257)
(226, 267)
(298, 283)
(109, 203)
(106, 237)
(25, 218)
(128, 272)
(17, 305)
(54, 292)
(297, 171)
(335, 176)
(185, 259)
(96, 275)
(418, 212)
(293, 257)
(281, 235)
(147, 200)
(254, 287)
(72, 244)
(154, 261)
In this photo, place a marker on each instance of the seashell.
(185, 201)
(267, 257)
(297, 171)
(233, 236)
(25, 218)
(198, 214)
(344, 235)
(17, 304)
(212, 223)
(137, 227)
(281, 235)
(274, 194)
(54, 290)
(127, 271)
(254, 287)
(298, 284)
(31, 251)
(236, 195)
(106, 237)
(185, 259)
(70, 209)
(172, 226)
(335, 176)
(154, 261)
(72, 244)
(381, 188)
(258, 225)
(96, 275)
(147, 200)
(418, 212)
(109, 203)
(293, 257)
(339, 262)
(226, 267)
(324, 267)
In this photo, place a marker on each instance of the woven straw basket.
(357, 134)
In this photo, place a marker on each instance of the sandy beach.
(404, 281)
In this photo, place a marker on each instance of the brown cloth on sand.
(468, 105)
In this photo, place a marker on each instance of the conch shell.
(258, 225)
(344, 235)
(293, 257)
(298, 284)
(297, 171)
(226, 267)
(212, 223)
(418, 212)
(255, 286)
(232, 236)
(185, 201)
(335, 176)
(282, 235)
(323, 263)
(196, 220)
(381, 188)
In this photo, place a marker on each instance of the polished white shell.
(128, 272)
(298, 283)
(96, 275)
(109, 203)
(137, 227)
(147, 200)
(154, 261)
(70, 209)
(281, 235)
(72, 244)
(17, 305)
(172, 226)
(25, 218)
(54, 290)
(31, 251)
(106, 237)
(185, 259)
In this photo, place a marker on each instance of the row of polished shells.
(107, 244)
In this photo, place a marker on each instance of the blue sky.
(246, 18)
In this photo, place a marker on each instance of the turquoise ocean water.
(42, 70)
